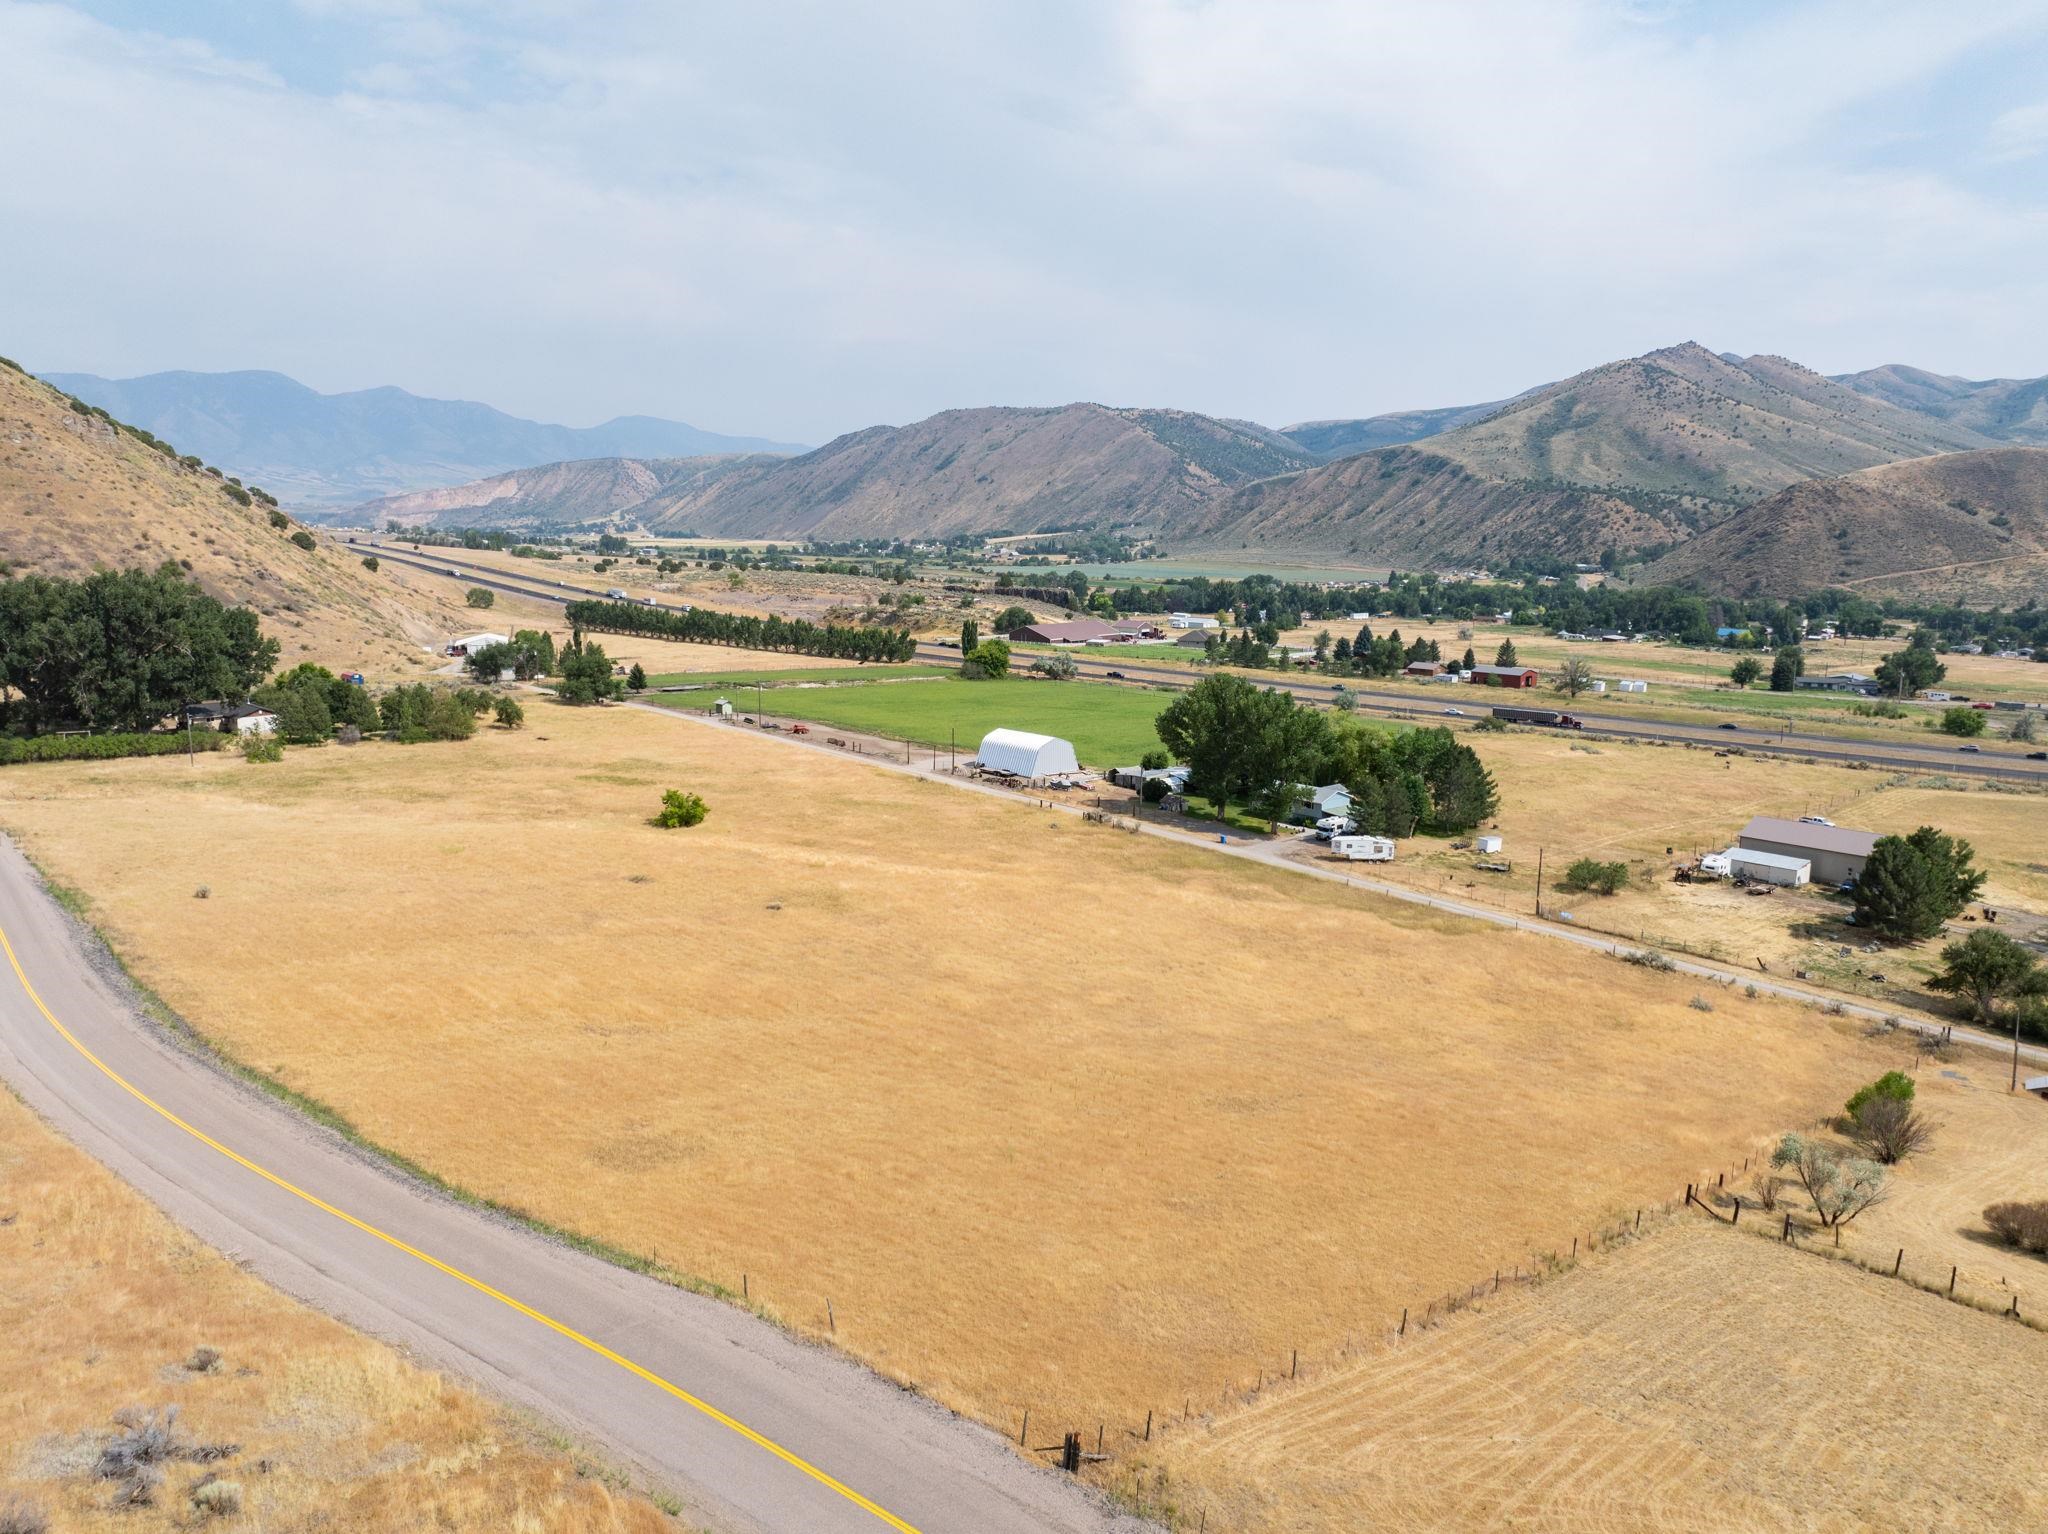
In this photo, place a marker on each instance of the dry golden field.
(1700, 1381)
(104, 1304)
(1627, 801)
(1058, 1119)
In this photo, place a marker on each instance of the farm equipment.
(799, 729)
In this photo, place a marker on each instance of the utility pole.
(1539, 881)
(2015, 1047)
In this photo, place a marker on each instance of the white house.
(250, 719)
(1330, 799)
(1191, 621)
(1024, 755)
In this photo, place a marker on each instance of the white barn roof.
(1027, 755)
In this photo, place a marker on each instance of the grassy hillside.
(2005, 409)
(1967, 525)
(79, 493)
(1637, 453)
(1343, 438)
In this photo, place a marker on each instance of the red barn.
(1504, 676)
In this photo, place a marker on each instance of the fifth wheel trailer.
(1363, 849)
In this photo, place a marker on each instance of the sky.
(793, 220)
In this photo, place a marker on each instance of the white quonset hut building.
(1025, 755)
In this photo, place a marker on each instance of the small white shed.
(1487, 843)
(1769, 867)
(1024, 755)
(1629, 684)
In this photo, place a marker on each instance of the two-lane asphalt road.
(755, 1430)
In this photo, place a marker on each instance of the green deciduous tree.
(1745, 671)
(1241, 743)
(509, 713)
(119, 650)
(1787, 667)
(1012, 618)
(1572, 677)
(1986, 968)
(1904, 672)
(479, 596)
(989, 659)
(586, 673)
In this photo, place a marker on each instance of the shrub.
(1490, 724)
(2024, 1225)
(680, 809)
(1889, 1129)
(1700, 1004)
(237, 494)
(1057, 668)
(1153, 791)
(1895, 1085)
(79, 748)
(18, 1515)
(262, 748)
(217, 1499)
(1962, 720)
(349, 735)
(370, 563)
(280, 521)
(303, 539)
(1648, 958)
(478, 596)
(204, 1360)
(1589, 874)
(204, 892)
(1839, 1190)
(509, 713)
(989, 659)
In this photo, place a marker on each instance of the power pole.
(2015, 1047)
(1539, 881)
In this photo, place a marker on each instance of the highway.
(754, 1430)
(1910, 756)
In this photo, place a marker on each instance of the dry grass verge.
(107, 1306)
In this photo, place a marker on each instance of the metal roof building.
(1836, 852)
(1025, 755)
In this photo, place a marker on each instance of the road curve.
(754, 1430)
(1908, 755)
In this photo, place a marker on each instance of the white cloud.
(2021, 133)
(800, 218)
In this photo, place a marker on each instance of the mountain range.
(311, 449)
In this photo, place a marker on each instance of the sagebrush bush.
(18, 1515)
(680, 809)
(2021, 1224)
(217, 1499)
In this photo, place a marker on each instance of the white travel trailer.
(1363, 849)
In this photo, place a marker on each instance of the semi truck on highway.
(1543, 716)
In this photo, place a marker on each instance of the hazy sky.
(796, 219)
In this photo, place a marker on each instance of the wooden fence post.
(1294, 1364)
(1896, 1261)
(1148, 1424)
(744, 1295)
(1951, 1281)
(1024, 1428)
(830, 1319)
(1404, 1322)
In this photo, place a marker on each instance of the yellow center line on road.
(761, 1440)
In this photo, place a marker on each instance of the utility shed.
(1835, 853)
(1024, 755)
(1769, 867)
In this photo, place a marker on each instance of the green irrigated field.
(1110, 726)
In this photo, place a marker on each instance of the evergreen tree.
(1505, 655)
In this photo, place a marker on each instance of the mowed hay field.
(105, 1302)
(1058, 1118)
(1700, 1381)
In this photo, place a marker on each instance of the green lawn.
(731, 679)
(1110, 726)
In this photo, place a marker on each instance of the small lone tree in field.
(1892, 1086)
(636, 678)
(1590, 874)
(478, 596)
(1962, 720)
(680, 809)
(1572, 677)
(509, 713)
(1838, 1189)
(370, 563)
(1889, 1129)
(1745, 671)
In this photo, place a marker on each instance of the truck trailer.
(1543, 716)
